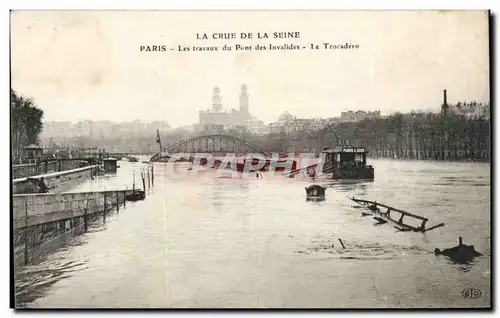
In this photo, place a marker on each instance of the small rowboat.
(315, 193)
(136, 195)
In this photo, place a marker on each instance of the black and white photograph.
(250, 159)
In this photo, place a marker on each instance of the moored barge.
(347, 162)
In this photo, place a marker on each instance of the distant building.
(216, 119)
(255, 126)
(283, 124)
(188, 128)
(468, 109)
(289, 124)
(359, 115)
(285, 117)
(471, 109)
(31, 152)
(101, 134)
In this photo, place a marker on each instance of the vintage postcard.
(251, 159)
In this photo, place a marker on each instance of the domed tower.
(216, 100)
(244, 100)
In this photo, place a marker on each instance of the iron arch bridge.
(214, 144)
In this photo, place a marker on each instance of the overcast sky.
(88, 64)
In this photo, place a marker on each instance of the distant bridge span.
(215, 143)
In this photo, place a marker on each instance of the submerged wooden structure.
(386, 216)
(315, 193)
(460, 253)
(136, 195)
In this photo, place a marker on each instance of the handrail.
(392, 209)
(54, 174)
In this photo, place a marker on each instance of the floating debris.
(460, 254)
(341, 243)
(384, 217)
(380, 220)
(315, 192)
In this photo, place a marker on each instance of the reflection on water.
(33, 280)
(216, 242)
(359, 186)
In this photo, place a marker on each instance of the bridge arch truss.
(214, 144)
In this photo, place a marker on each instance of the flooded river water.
(231, 243)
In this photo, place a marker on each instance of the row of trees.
(26, 122)
(427, 136)
(408, 136)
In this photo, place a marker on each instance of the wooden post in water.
(143, 182)
(401, 218)
(152, 175)
(105, 206)
(149, 180)
(388, 213)
(85, 224)
(422, 227)
(133, 184)
(124, 200)
(117, 202)
(341, 243)
(26, 235)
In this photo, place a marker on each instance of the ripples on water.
(216, 242)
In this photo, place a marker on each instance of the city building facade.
(473, 109)
(352, 116)
(218, 120)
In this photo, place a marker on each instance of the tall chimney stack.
(444, 107)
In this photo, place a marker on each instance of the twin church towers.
(224, 119)
(217, 100)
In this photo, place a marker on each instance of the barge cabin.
(348, 162)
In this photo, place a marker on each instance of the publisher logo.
(472, 293)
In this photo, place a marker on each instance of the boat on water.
(315, 193)
(347, 162)
(136, 194)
